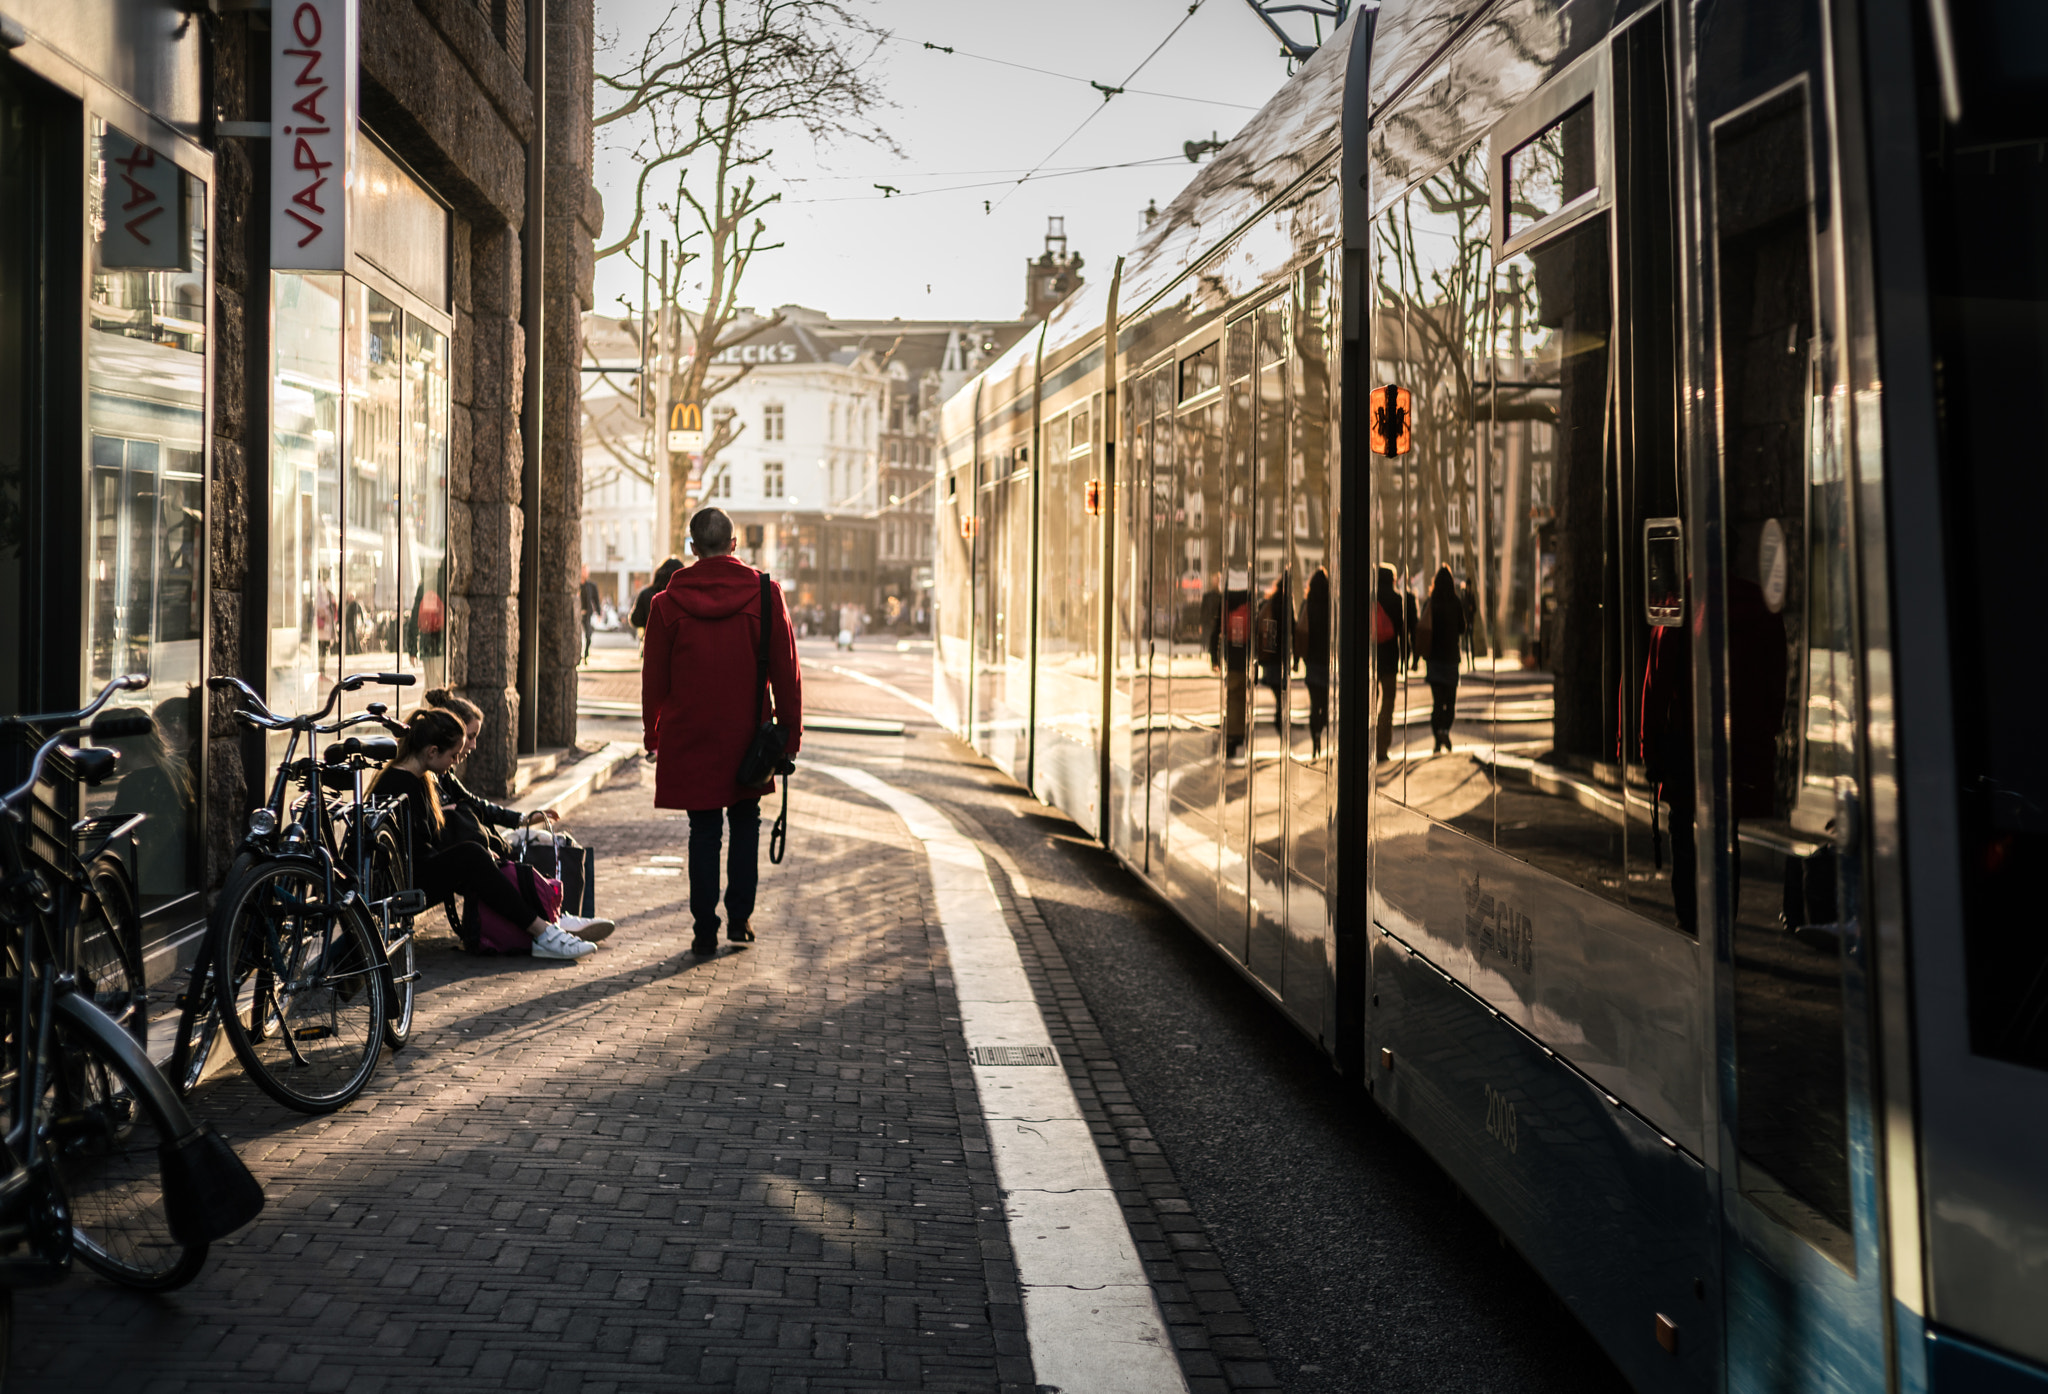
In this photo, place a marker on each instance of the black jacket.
(426, 838)
(474, 818)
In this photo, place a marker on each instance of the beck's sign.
(312, 132)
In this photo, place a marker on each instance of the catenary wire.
(1103, 105)
(1072, 77)
(985, 184)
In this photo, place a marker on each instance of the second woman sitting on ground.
(443, 865)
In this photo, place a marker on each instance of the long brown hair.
(465, 710)
(429, 728)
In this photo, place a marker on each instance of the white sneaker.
(555, 943)
(590, 931)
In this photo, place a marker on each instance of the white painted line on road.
(1090, 1315)
(888, 687)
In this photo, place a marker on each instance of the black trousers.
(468, 869)
(742, 866)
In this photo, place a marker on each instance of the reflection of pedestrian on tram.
(1227, 634)
(1389, 642)
(1275, 649)
(1666, 750)
(1312, 647)
(1441, 637)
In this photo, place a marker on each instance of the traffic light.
(1390, 421)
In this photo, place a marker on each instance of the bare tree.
(712, 86)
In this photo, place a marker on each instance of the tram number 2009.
(1500, 1119)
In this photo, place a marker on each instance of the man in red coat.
(699, 705)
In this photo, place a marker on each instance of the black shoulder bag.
(766, 759)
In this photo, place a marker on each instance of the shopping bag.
(497, 935)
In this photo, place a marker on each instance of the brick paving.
(640, 1172)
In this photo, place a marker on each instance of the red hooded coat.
(697, 697)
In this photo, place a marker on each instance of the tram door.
(1801, 1267)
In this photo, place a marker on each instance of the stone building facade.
(221, 461)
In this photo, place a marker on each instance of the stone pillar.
(485, 525)
(240, 290)
(573, 217)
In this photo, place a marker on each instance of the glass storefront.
(144, 584)
(359, 491)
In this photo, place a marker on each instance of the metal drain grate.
(1013, 1055)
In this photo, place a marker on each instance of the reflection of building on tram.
(288, 473)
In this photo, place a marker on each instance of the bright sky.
(961, 120)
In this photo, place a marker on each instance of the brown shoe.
(740, 933)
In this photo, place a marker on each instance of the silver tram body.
(1700, 958)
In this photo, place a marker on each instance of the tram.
(1526, 557)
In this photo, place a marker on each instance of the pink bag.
(496, 934)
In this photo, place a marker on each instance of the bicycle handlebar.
(266, 719)
(127, 682)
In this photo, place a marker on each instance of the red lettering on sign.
(138, 193)
(316, 228)
(299, 18)
(305, 197)
(305, 77)
(308, 106)
(134, 226)
(304, 158)
(138, 157)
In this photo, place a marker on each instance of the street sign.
(685, 429)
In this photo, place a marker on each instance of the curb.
(584, 778)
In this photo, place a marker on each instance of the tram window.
(1433, 250)
(1784, 522)
(1561, 802)
(1272, 334)
(1552, 171)
(1987, 202)
(1200, 371)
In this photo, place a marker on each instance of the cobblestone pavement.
(764, 1173)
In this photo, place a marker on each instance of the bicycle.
(378, 859)
(81, 854)
(300, 977)
(99, 1159)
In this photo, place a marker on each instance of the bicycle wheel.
(107, 948)
(300, 988)
(105, 1140)
(198, 1027)
(390, 876)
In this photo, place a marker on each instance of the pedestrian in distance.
(701, 706)
(445, 866)
(473, 818)
(643, 603)
(590, 602)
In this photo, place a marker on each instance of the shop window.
(359, 564)
(146, 524)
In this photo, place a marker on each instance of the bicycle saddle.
(94, 764)
(376, 748)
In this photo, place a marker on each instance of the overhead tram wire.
(985, 184)
(1103, 105)
(1084, 81)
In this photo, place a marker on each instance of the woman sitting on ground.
(474, 818)
(444, 866)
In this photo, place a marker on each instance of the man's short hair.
(710, 532)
